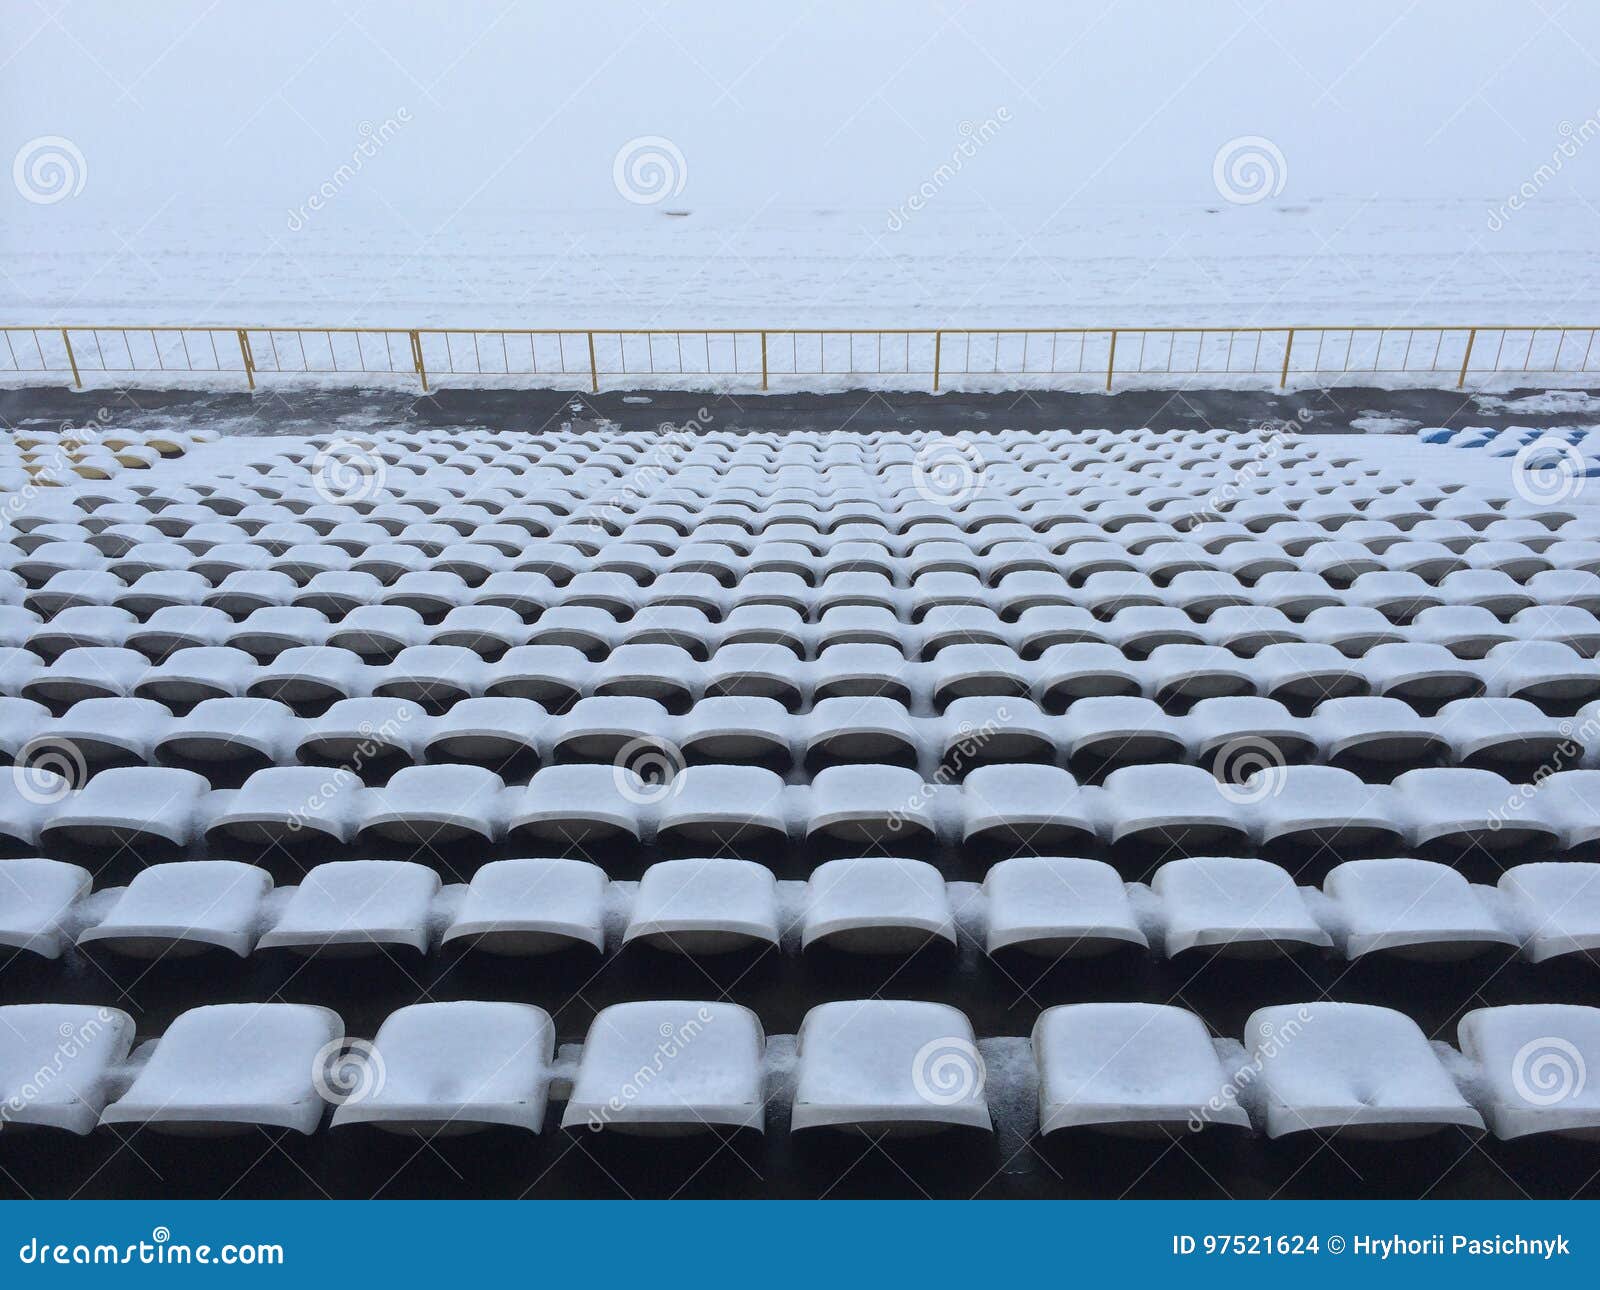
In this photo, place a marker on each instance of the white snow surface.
(886, 165)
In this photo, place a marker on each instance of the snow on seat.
(312, 674)
(449, 1068)
(1135, 1068)
(855, 670)
(1171, 807)
(1351, 631)
(763, 625)
(110, 730)
(862, 729)
(603, 728)
(1458, 808)
(89, 672)
(73, 587)
(357, 732)
(218, 730)
(1543, 672)
(1565, 623)
(229, 1067)
(486, 731)
(1319, 805)
(279, 803)
(523, 592)
(182, 908)
(1024, 806)
(188, 676)
(704, 906)
(357, 907)
(1399, 597)
(1350, 1069)
(670, 1068)
(430, 593)
(1493, 590)
(22, 721)
(58, 1062)
(722, 804)
(339, 593)
(738, 728)
(1239, 908)
(665, 673)
(1374, 729)
(524, 907)
(432, 676)
(487, 630)
(1413, 908)
(83, 627)
(1307, 672)
(962, 671)
(1465, 630)
(378, 631)
(1492, 732)
(1120, 730)
(1053, 906)
(574, 804)
(1085, 670)
(1418, 672)
(888, 1066)
(870, 804)
(1557, 907)
(131, 806)
(552, 675)
(176, 627)
(267, 633)
(983, 730)
(1534, 1068)
(1215, 727)
(241, 594)
(876, 905)
(1295, 594)
(429, 805)
(36, 904)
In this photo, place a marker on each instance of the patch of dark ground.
(286, 410)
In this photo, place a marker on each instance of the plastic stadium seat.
(1535, 1061)
(36, 900)
(357, 906)
(705, 1060)
(1240, 908)
(183, 908)
(888, 1066)
(1351, 1069)
(227, 1067)
(450, 1068)
(1053, 906)
(59, 1062)
(1130, 1066)
(705, 906)
(876, 905)
(1413, 908)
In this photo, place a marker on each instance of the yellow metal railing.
(562, 357)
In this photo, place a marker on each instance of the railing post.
(247, 357)
(763, 360)
(1288, 348)
(1111, 363)
(416, 359)
(1472, 337)
(594, 371)
(938, 353)
(71, 358)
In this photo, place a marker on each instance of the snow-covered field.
(899, 164)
